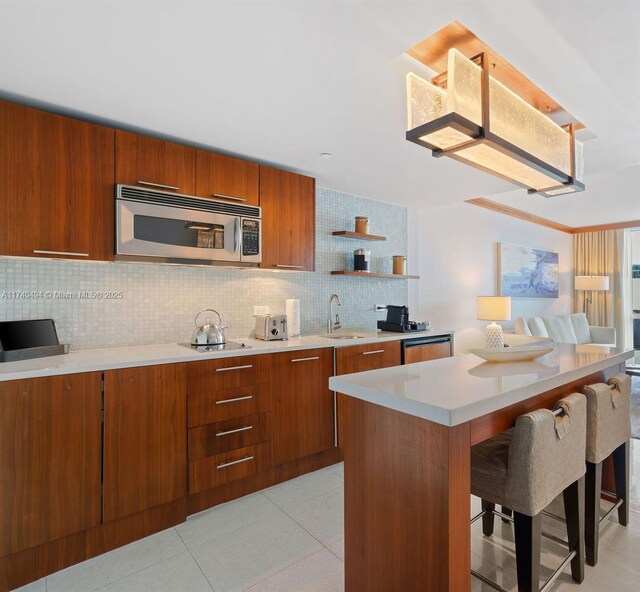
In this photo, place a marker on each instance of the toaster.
(271, 327)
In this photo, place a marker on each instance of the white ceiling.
(281, 82)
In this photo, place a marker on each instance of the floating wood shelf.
(374, 274)
(360, 235)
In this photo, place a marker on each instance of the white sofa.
(566, 328)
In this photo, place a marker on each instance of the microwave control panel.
(250, 237)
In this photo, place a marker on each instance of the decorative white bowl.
(510, 354)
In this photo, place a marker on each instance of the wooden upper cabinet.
(56, 185)
(227, 178)
(153, 163)
(145, 433)
(303, 409)
(288, 220)
(50, 465)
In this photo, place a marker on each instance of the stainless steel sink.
(341, 336)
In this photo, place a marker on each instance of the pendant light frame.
(482, 134)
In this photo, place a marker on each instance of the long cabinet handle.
(243, 429)
(305, 359)
(41, 252)
(374, 351)
(233, 197)
(234, 400)
(283, 266)
(150, 184)
(234, 368)
(234, 462)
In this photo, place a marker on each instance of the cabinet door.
(358, 358)
(224, 177)
(426, 352)
(56, 185)
(50, 443)
(145, 431)
(303, 410)
(153, 163)
(288, 220)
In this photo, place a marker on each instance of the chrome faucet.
(332, 324)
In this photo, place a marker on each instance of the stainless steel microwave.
(166, 227)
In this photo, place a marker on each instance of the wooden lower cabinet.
(303, 405)
(359, 358)
(145, 433)
(427, 352)
(50, 445)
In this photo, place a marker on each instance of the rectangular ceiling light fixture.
(469, 115)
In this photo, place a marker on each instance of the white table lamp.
(589, 284)
(494, 308)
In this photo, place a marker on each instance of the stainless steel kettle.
(208, 332)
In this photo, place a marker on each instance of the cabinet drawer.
(223, 436)
(359, 358)
(214, 471)
(226, 373)
(215, 406)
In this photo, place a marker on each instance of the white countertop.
(95, 360)
(455, 390)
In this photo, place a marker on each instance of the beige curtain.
(602, 253)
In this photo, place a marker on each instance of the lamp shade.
(494, 308)
(592, 282)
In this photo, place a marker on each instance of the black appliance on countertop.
(25, 340)
(398, 321)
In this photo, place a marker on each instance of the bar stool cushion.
(528, 466)
(608, 417)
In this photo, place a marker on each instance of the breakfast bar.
(408, 432)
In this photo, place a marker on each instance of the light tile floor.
(289, 538)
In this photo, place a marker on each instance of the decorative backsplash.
(116, 304)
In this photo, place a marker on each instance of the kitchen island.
(408, 432)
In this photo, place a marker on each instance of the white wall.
(457, 251)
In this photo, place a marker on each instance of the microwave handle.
(236, 235)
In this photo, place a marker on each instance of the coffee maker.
(398, 321)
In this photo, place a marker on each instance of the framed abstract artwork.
(525, 272)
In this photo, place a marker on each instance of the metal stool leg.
(507, 512)
(574, 512)
(528, 531)
(621, 472)
(593, 490)
(488, 518)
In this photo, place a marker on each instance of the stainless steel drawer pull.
(234, 400)
(244, 429)
(283, 266)
(150, 184)
(375, 351)
(234, 462)
(306, 359)
(234, 368)
(40, 252)
(222, 196)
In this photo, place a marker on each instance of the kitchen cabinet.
(288, 220)
(303, 405)
(56, 185)
(155, 164)
(227, 178)
(427, 351)
(145, 450)
(230, 420)
(359, 358)
(50, 459)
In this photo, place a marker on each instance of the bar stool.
(608, 434)
(524, 469)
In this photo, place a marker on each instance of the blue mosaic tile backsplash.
(157, 303)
